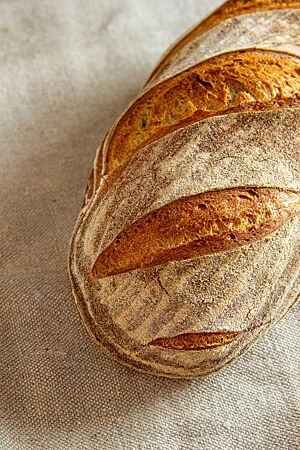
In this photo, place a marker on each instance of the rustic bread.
(187, 246)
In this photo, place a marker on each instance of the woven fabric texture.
(68, 68)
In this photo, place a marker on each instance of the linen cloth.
(68, 68)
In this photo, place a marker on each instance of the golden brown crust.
(199, 225)
(230, 9)
(197, 341)
(247, 79)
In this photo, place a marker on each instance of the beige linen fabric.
(68, 68)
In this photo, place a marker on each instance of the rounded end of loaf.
(189, 314)
(184, 356)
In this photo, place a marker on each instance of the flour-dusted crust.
(187, 316)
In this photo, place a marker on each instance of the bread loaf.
(187, 248)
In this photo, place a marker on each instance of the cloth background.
(67, 70)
